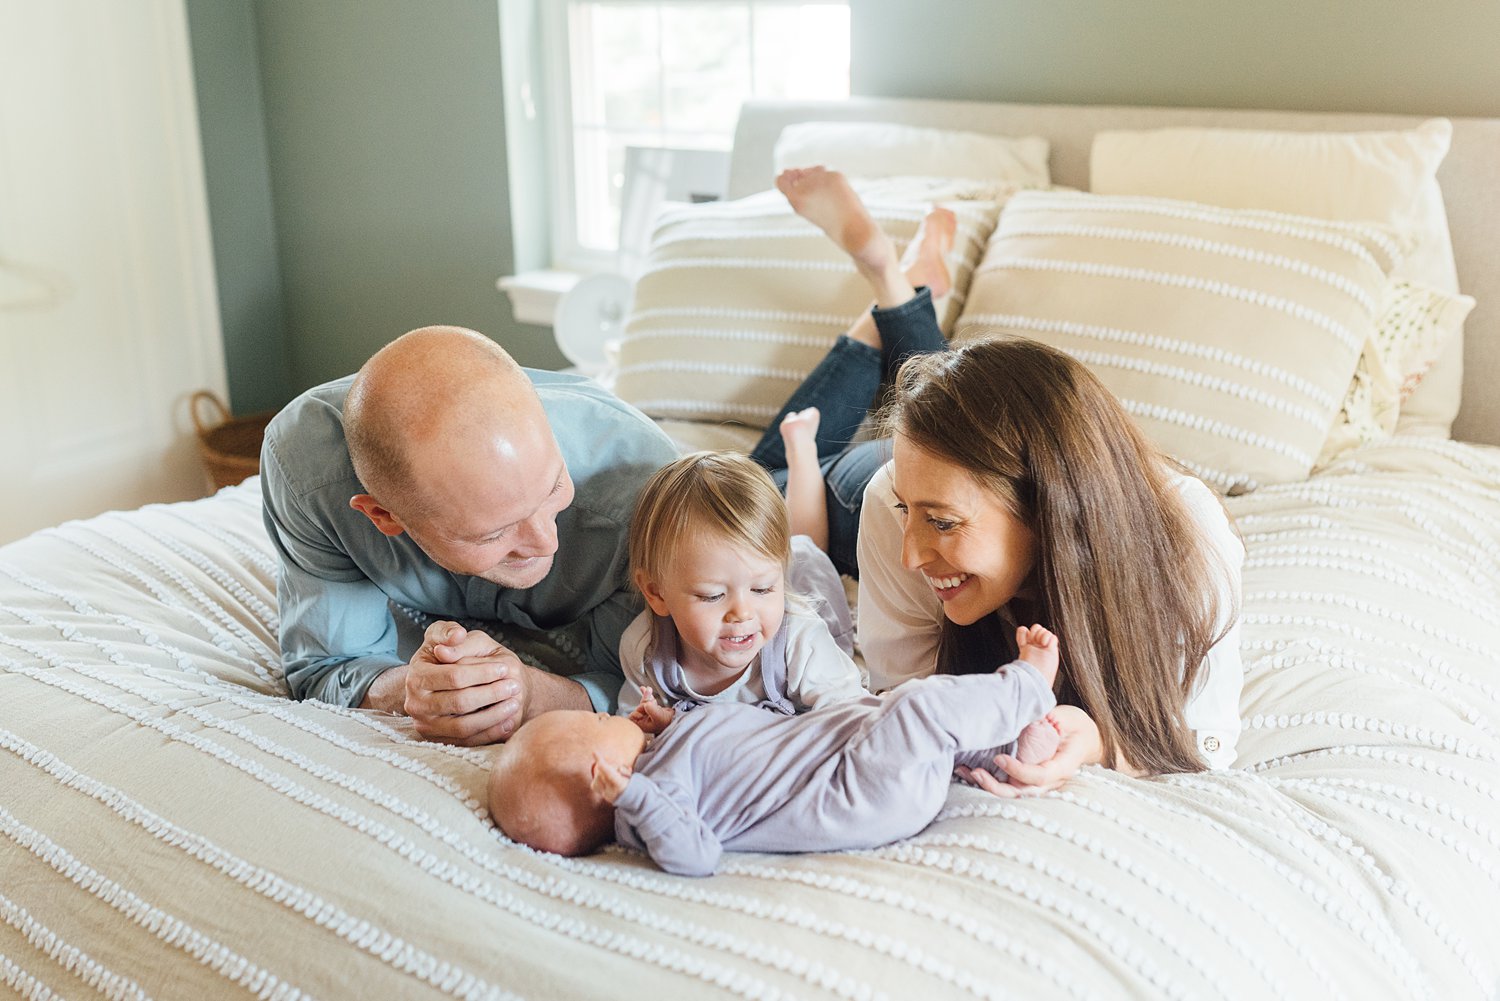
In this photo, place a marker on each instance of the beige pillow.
(1416, 323)
(1388, 177)
(740, 300)
(1231, 336)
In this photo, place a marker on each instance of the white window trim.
(567, 253)
(534, 294)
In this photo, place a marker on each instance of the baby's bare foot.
(1039, 648)
(799, 431)
(1038, 741)
(824, 198)
(925, 259)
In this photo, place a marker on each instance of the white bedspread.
(173, 826)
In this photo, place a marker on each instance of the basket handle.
(202, 396)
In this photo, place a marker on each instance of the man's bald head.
(451, 442)
(432, 387)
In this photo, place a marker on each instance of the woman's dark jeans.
(843, 387)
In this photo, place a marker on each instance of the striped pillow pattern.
(739, 300)
(1379, 176)
(1230, 335)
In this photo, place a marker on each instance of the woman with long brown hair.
(1019, 490)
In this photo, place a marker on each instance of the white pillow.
(884, 149)
(740, 300)
(1386, 177)
(1231, 336)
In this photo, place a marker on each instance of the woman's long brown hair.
(1122, 575)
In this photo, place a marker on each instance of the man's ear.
(383, 520)
(651, 593)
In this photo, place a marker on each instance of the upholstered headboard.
(1470, 178)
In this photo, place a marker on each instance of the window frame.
(568, 253)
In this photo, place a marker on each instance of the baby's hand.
(650, 715)
(1039, 648)
(607, 779)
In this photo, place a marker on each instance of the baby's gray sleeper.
(857, 774)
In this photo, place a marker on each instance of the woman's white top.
(900, 618)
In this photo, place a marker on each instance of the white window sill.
(534, 294)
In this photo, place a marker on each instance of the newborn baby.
(859, 774)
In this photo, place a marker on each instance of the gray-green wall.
(360, 154)
(386, 129)
(1433, 57)
(358, 177)
(237, 176)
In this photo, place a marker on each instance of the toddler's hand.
(607, 779)
(650, 715)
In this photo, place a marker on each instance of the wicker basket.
(229, 446)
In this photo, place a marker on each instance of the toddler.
(728, 776)
(724, 582)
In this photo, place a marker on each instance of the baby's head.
(709, 548)
(540, 786)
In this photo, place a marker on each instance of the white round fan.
(590, 314)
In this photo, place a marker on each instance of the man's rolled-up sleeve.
(336, 632)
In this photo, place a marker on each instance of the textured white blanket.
(170, 825)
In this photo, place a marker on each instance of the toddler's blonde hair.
(725, 496)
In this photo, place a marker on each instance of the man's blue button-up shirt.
(338, 572)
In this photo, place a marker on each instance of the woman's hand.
(1079, 746)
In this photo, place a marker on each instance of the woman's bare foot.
(824, 198)
(807, 508)
(1039, 648)
(925, 260)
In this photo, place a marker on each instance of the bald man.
(447, 479)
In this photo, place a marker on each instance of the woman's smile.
(948, 586)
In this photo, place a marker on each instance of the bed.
(174, 826)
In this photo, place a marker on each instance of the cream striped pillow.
(1230, 335)
(1380, 176)
(740, 300)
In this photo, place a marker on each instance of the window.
(669, 75)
